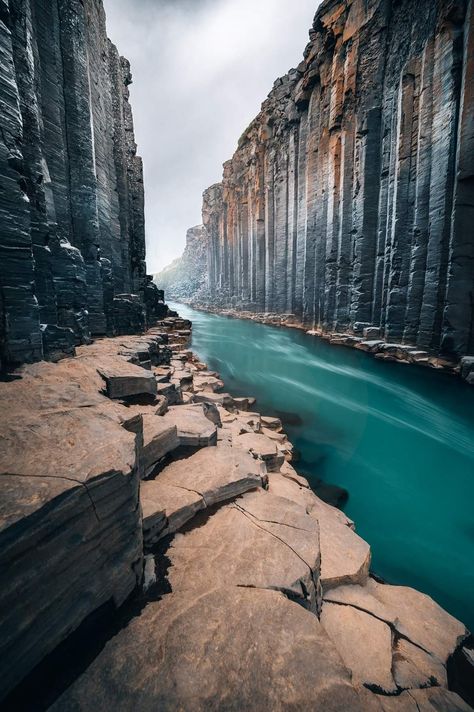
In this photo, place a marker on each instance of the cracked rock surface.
(257, 594)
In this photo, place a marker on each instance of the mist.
(201, 69)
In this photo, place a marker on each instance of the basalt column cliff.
(349, 202)
(72, 240)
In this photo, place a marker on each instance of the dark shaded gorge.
(399, 438)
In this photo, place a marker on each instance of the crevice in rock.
(396, 632)
(273, 521)
(254, 522)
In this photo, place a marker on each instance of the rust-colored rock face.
(350, 199)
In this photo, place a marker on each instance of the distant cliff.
(186, 276)
(350, 199)
(71, 185)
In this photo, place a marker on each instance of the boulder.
(170, 391)
(127, 380)
(223, 399)
(272, 423)
(207, 383)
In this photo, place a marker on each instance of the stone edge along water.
(253, 593)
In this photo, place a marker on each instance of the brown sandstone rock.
(364, 643)
(184, 487)
(230, 648)
(433, 699)
(193, 427)
(160, 437)
(128, 380)
(413, 614)
(412, 667)
(262, 448)
(260, 541)
(166, 508)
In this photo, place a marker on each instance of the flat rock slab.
(159, 438)
(345, 557)
(166, 508)
(74, 444)
(260, 540)
(223, 399)
(412, 667)
(207, 382)
(226, 649)
(363, 642)
(186, 486)
(193, 427)
(215, 473)
(127, 380)
(272, 423)
(414, 615)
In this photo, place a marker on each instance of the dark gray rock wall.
(186, 276)
(72, 240)
(350, 199)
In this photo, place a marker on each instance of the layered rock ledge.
(253, 593)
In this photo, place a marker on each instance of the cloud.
(201, 69)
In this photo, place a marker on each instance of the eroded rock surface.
(232, 545)
(259, 541)
(228, 648)
(184, 487)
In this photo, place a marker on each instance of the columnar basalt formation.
(72, 240)
(350, 198)
(187, 275)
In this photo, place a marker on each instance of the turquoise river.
(399, 438)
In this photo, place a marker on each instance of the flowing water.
(399, 438)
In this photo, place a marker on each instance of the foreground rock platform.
(227, 649)
(252, 592)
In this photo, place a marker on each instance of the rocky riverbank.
(363, 338)
(130, 478)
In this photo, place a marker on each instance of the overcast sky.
(201, 69)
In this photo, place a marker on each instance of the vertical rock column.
(349, 197)
(19, 312)
(80, 148)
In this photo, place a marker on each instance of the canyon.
(347, 206)
(159, 549)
